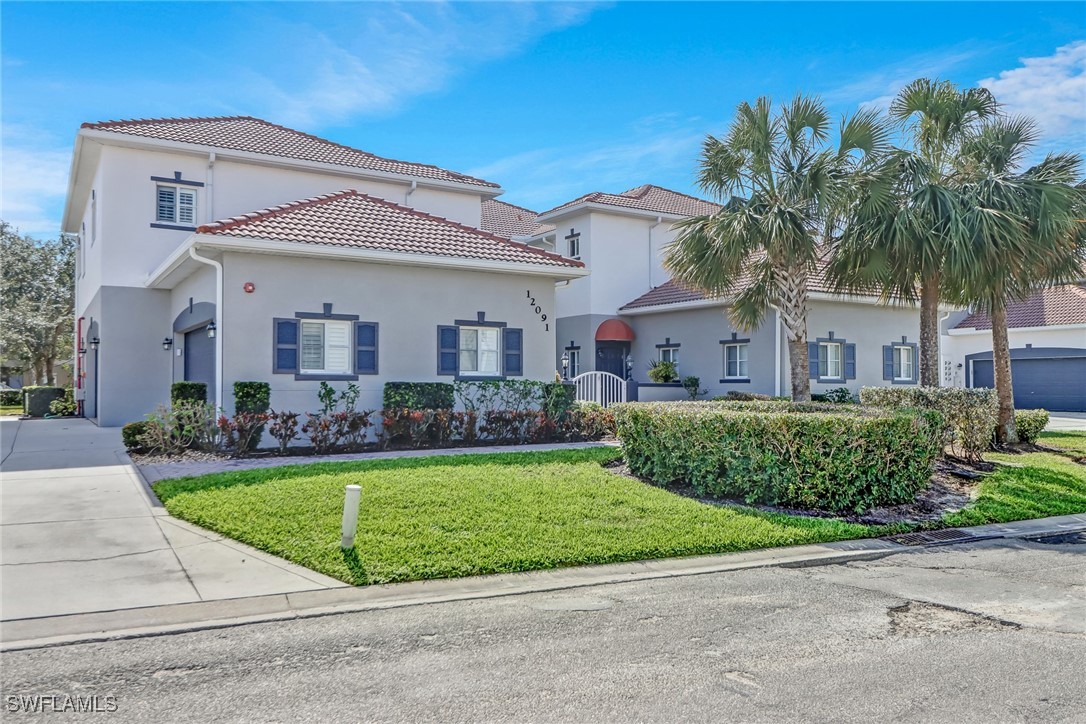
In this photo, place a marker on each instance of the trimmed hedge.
(188, 392)
(969, 414)
(1030, 424)
(38, 398)
(805, 455)
(10, 398)
(131, 434)
(418, 395)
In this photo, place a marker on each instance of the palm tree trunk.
(797, 362)
(1006, 431)
(929, 332)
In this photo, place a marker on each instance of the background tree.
(905, 234)
(782, 186)
(37, 286)
(1027, 232)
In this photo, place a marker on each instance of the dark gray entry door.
(200, 358)
(1057, 384)
(611, 357)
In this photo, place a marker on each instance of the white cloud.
(878, 87)
(1051, 89)
(33, 184)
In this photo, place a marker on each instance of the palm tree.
(1026, 229)
(783, 188)
(905, 235)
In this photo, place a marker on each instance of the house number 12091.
(539, 310)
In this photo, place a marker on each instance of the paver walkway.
(80, 533)
(162, 471)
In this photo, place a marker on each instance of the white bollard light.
(351, 498)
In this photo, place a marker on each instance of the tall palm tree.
(905, 235)
(783, 187)
(1026, 229)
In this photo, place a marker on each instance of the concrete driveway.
(1067, 421)
(79, 532)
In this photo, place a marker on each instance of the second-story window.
(573, 245)
(175, 205)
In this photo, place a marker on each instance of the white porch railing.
(602, 387)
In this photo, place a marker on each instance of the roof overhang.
(588, 206)
(180, 264)
(966, 331)
(813, 296)
(85, 155)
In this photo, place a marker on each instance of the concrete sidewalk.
(79, 533)
(1067, 421)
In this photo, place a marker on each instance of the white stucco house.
(231, 249)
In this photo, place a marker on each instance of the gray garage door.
(1051, 383)
(200, 358)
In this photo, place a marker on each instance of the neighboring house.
(1048, 349)
(230, 249)
(628, 312)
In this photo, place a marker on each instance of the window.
(325, 347)
(574, 362)
(735, 361)
(829, 360)
(176, 205)
(670, 354)
(574, 246)
(903, 363)
(479, 351)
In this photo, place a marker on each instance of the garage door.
(1052, 383)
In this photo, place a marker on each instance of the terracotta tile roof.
(673, 292)
(1056, 305)
(646, 198)
(352, 219)
(505, 219)
(245, 133)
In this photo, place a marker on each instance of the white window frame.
(900, 353)
(669, 354)
(574, 247)
(179, 191)
(465, 333)
(328, 347)
(831, 374)
(742, 361)
(574, 362)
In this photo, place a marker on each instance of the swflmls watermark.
(60, 704)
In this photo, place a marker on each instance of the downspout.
(406, 196)
(79, 366)
(659, 220)
(209, 187)
(777, 352)
(218, 324)
(942, 319)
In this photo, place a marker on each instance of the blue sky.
(549, 100)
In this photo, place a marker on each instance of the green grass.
(1071, 441)
(11, 409)
(1046, 484)
(441, 517)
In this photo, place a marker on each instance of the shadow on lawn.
(354, 564)
(166, 489)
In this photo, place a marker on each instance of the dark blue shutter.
(888, 362)
(285, 342)
(365, 348)
(850, 361)
(513, 343)
(812, 360)
(916, 363)
(448, 350)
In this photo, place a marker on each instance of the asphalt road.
(992, 632)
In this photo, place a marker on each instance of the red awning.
(614, 330)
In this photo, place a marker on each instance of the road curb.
(46, 632)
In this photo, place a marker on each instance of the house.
(231, 249)
(628, 312)
(1047, 335)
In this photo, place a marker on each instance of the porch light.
(167, 343)
(82, 350)
(565, 365)
(94, 343)
(211, 329)
(629, 366)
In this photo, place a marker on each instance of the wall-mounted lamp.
(94, 343)
(629, 366)
(565, 365)
(167, 343)
(211, 329)
(82, 350)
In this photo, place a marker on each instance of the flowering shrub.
(781, 453)
(969, 415)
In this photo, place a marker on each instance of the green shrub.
(838, 396)
(38, 398)
(692, 385)
(418, 395)
(11, 398)
(131, 434)
(185, 426)
(1030, 424)
(969, 415)
(737, 396)
(64, 407)
(805, 455)
(251, 401)
(188, 392)
(558, 399)
(662, 372)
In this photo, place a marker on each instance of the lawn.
(1046, 484)
(443, 517)
(11, 409)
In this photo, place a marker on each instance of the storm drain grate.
(933, 538)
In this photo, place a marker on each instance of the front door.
(611, 357)
(200, 358)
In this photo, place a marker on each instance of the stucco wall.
(574, 299)
(407, 302)
(958, 345)
(200, 287)
(581, 331)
